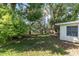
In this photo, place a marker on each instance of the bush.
(9, 30)
(10, 27)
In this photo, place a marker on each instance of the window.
(72, 30)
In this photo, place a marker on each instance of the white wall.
(63, 35)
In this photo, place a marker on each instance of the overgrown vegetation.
(19, 20)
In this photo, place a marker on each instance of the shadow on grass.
(42, 43)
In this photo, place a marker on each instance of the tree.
(10, 24)
(63, 13)
(57, 11)
(74, 13)
(34, 13)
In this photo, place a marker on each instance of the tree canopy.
(34, 11)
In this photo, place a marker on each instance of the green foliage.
(10, 26)
(34, 12)
(75, 12)
(64, 12)
(57, 12)
(34, 15)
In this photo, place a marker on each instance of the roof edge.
(71, 22)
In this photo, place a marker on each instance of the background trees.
(19, 18)
(62, 13)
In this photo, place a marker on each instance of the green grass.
(36, 46)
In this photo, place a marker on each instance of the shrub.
(10, 27)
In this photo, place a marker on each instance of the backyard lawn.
(33, 46)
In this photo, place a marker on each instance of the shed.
(69, 31)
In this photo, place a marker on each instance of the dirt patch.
(71, 48)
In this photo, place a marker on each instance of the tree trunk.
(45, 30)
(29, 32)
(41, 31)
(30, 29)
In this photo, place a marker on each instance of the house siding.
(63, 33)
